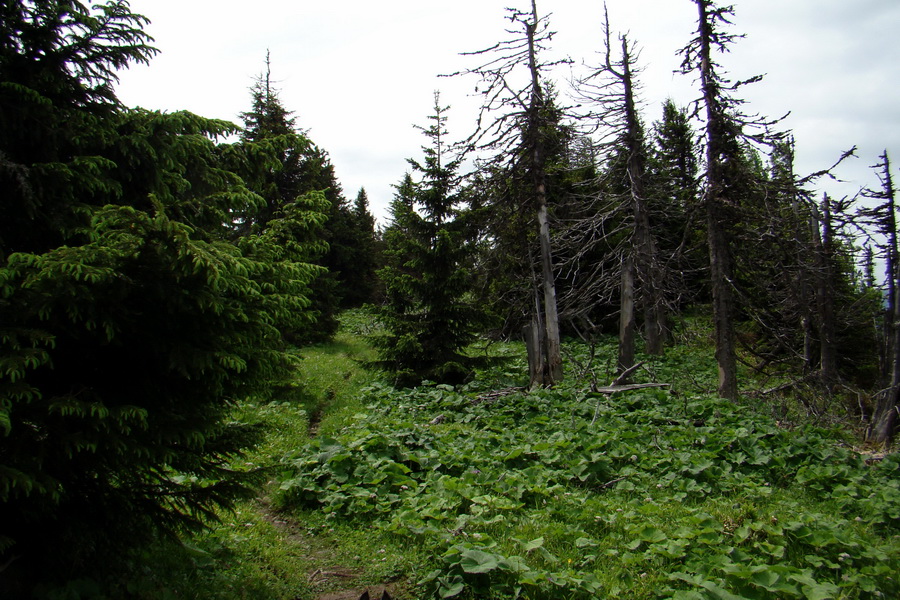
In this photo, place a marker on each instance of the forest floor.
(465, 492)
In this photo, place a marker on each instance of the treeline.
(581, 219)
(152, 274)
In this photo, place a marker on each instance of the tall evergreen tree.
(429, 314)
(269, 124)
(361, 282)
(129, 322)
(674, 204)
(301, 168)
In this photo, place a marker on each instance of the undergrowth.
(489, 491)
(667, 493)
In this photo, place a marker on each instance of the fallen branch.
(609, 484)
(612, 389)
(497, 394)
(618, 386)
(623, 377)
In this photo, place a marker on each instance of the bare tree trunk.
(626, 317)
(643, 246)
(649, 277)
(524, 150)
(552, 352)
(723, 301)
(825, 298)
(720, 262)
(884, 419)
(554, 372)
(891, 322)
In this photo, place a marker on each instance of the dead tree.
(884, 218)
(724, 131)
(610, 92)
(513, 126)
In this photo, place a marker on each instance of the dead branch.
(612, 389)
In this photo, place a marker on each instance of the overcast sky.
(358, 74)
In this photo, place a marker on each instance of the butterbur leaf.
(720, 593)
(547, 555)
(534, 544)
(514, 564)
(451, 589)
(815, 590)
(651, 535)
(771, 582)
(476, 561)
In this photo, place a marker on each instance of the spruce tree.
(359, 276)
(303, 167)
(429, 314)
(675, 205)
(299, 168)
(270, 125)
(130, 322)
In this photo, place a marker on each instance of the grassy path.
(259, 552)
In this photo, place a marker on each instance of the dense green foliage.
(346, 245)
(570, 494)
(154, 280)
(129, 322)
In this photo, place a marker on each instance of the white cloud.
(358, 74)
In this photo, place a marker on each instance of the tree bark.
(825, 299)
(552, 354)
(723, 302)
(626, 317)
(720, 262)
(553, 351)
(643, 246)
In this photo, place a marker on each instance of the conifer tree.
(269, 124)
(300, 168)
(429, 314)
(129, 321)
(359, 276)
(674, 204)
